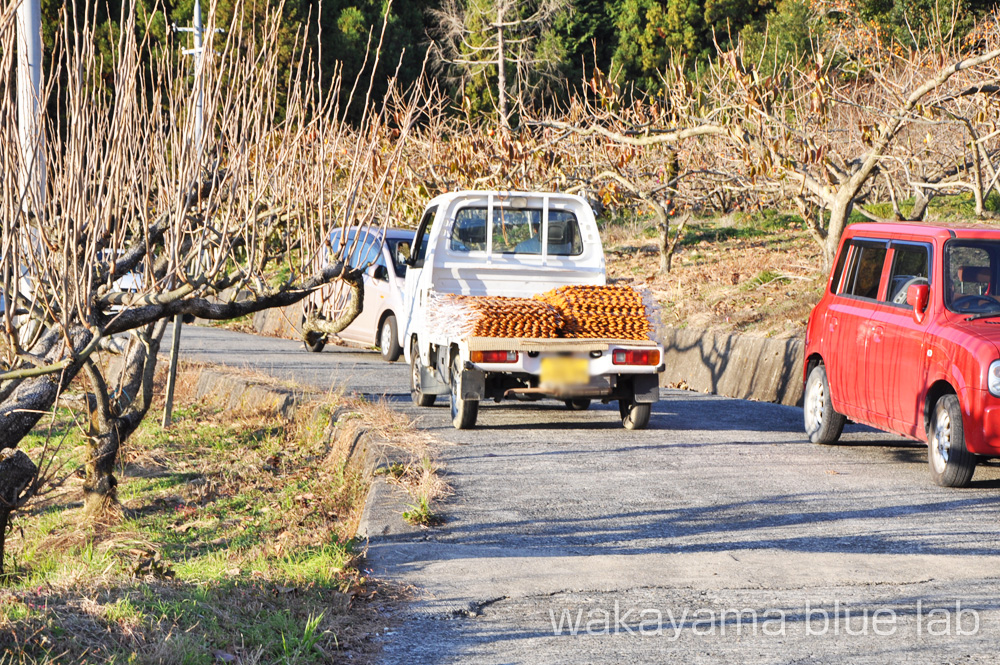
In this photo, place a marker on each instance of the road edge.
(385, 502)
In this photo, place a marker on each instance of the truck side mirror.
(917, 296)
(381, 273)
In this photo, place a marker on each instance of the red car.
(907, 339)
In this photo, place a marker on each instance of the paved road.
(718, 535)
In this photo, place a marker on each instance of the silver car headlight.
(993, 378)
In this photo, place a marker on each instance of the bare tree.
(815, 134)
(829, 132)
(644, 153)
(141, 221)
(958, 152)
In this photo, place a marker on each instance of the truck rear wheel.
(419, 397)
(463, 411)
(634, 415)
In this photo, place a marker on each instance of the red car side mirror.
(917, 296)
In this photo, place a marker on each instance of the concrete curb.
(231, 391)
(386, 501)
(383, 512)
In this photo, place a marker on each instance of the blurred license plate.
(565, 371)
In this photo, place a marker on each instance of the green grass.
(395, 470)
(137, 488)
(762, 278)
(953, 208)
(124, 610)
(18, 611)
(742, 227)
(234, 539)
(419, 513)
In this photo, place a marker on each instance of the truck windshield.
(970, 273)
(516, 231)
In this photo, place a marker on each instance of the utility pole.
(29, 95)
(197, 52)
(501, 66)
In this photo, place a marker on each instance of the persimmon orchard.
(236, 223)
(143, 221)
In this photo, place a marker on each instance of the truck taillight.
(636, 357)
(494, 356)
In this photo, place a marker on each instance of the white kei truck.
(515, 244)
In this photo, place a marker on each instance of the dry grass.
(753, 275)
(407, 452)
(234, 541)
(396, 429)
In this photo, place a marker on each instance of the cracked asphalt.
(718, 535)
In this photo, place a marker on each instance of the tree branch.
(649, 138)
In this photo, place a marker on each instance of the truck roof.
(502, 194)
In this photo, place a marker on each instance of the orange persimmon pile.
(604, 312)
(587, 312)
(497, 316)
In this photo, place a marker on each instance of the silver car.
(383, 252)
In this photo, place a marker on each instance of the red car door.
(849, 327)
(895, 351)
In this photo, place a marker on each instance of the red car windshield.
(970, 277)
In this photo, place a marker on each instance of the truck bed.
(551, 344)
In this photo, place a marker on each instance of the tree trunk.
(668, 245)
(113, 421)
(100, 487)
(501, 70)
(671, 168)
(33, 396)
(16, 473)
(4, 518)
(666, 256)
(977, 180)
(840, 212)
(919, 208)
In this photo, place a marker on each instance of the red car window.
(910, 266)
(865, 273)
